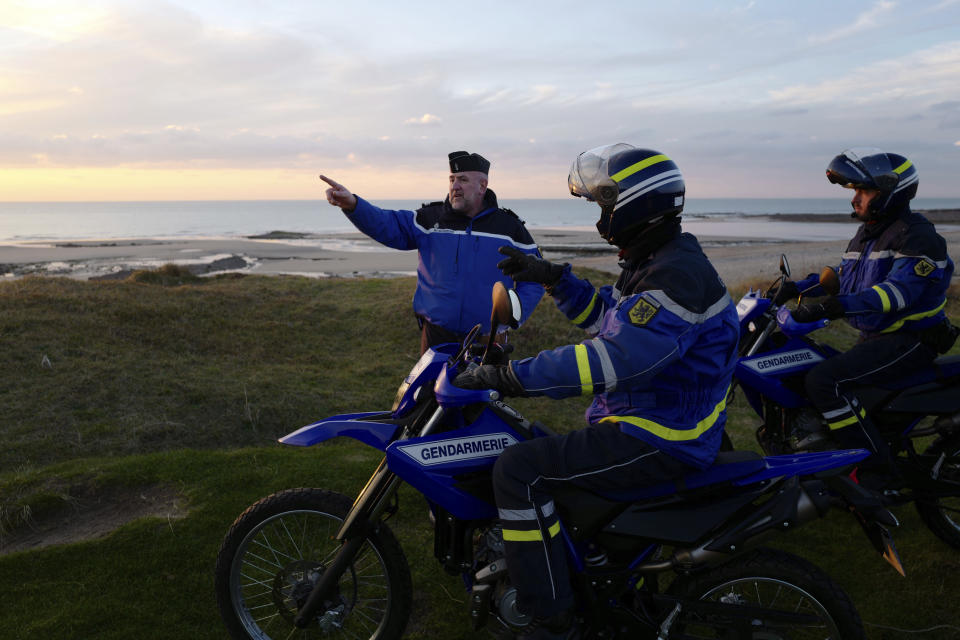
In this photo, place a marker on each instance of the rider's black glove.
(526, 267)
(787, 291)
(490, 376)
(830, 308)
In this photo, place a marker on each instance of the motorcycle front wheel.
(942, 514)
(276, 551)
(777, 581)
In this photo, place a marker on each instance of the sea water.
(62, 221)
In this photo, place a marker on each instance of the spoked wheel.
(942, 514)
(277, 550)
(794, 600)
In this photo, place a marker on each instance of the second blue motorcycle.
(776, 353)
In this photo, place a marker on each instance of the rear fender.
(930, 399)
(359, 426)
(803, 464)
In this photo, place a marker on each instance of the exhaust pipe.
(812, 502)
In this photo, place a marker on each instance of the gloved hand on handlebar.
(830, 308)
(787, 291)
(526, 267)
(491, 376)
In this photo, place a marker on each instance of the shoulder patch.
(924, 268)
(642, 312)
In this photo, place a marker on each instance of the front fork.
(373, 501)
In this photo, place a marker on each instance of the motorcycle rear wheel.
(780, 581)
(277, 549)
(942, 515)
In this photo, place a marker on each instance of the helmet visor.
(589, 176)
(859, 167)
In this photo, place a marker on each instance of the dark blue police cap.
(464, 161)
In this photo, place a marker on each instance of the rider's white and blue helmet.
(634, 188)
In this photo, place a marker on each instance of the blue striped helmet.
(634, 188)
(891, 174)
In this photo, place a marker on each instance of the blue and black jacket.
(458, 257)
(662, 354)
(893, 276)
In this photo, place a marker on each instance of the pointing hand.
(339, 196)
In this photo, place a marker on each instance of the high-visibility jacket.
(662, 355)
(893, 276)
(458, 257)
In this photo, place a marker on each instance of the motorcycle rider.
(893, 281)
(457, 241)
(659, 364)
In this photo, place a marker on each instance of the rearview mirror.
(784, 266)
(505, 309)
(830, 281)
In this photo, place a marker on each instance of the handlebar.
(793, 328)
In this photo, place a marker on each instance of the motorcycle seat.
(728, 466)
(943, 367)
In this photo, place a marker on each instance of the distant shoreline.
(741, 246)
(936, 216)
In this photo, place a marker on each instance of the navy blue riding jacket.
(893, 276)
(662, 355)
(458, 257)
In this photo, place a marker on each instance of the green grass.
(116, 388)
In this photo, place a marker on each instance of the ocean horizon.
(64, 221)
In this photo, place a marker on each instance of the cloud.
(172, 83)
(931, 72)
(426, 120)
(866, 21)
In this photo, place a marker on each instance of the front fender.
(352, 425)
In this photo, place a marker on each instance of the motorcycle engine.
(508, 609)
(492, 592)
(808, 433)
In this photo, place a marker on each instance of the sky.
(243, 99)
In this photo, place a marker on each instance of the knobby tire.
(942, 515)
(277, 546)
(778, 580)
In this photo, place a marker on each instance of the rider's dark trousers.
(597, 458)
(873, 361)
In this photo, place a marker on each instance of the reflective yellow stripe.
(884, 298)
(917, 316)
(586, 312)
(522, 536)
(583, 365)
(906, 165)
(512, 535)
(673, 435)
(842, 423)
(639, 166)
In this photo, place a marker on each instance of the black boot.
(557, 627)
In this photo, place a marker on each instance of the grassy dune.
(150, 408)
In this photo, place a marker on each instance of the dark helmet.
(891, 174)
(634, 188)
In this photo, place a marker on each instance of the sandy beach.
(742, 249)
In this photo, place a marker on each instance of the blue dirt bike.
(310, 563)
(775, 355)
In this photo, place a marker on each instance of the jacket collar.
(489, 204)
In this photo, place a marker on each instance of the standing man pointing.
(457, 242)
